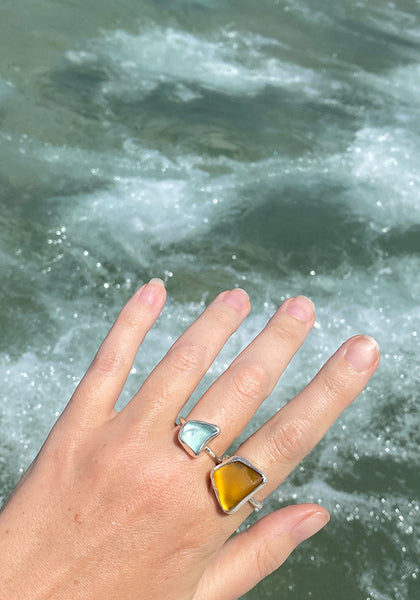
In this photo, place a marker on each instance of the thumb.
(248, 557)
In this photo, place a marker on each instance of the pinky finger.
(250, 556)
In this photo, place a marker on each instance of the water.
(213, 144)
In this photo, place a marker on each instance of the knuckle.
(187, 358)
(333, 386)
(284, 329)
(288, 443)
(249, 381)
(131, 319)
(264, 561)
(220, 319)
(109, 362)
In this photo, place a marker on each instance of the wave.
(228, 61)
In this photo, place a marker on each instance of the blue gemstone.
(194, 435)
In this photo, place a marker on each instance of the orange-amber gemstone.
(235, 481)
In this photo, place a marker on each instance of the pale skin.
(114, 508)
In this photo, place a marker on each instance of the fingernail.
(236, 298)
(362, 352)
(309, 526)
(152, 291)
(301, 308)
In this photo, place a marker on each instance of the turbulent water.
(268, 145)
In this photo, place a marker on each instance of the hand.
(114, 508)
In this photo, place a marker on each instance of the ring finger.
(236, 395)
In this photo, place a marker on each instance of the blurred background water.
(270, 145)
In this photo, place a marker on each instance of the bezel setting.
(248, 497)
(212, 432)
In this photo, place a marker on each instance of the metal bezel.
(249, 496)
(188, 448)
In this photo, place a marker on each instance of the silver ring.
(234, 479)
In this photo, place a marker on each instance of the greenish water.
(269, 145)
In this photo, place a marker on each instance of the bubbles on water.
(383, 161)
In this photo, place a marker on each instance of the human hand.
(114, 508)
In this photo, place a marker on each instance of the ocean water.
(273, 146)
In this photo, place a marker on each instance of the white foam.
(380, 165)
(228, 61)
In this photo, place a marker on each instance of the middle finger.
(236, 395)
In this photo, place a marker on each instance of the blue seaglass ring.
(195, 435)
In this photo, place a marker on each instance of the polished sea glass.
(235, 481)
(194, 435)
